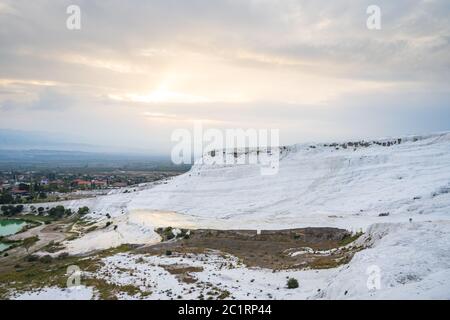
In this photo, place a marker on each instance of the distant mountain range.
(26, 149)
(26, 140)
(14, 159)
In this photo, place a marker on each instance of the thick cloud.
(138, 69)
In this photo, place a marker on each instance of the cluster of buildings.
(17, 187)
(97, 183)
(24, 184)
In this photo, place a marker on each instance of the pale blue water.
(8, 227)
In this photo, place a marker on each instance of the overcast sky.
(137, 70)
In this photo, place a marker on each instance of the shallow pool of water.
(3, 246)
(9, 227)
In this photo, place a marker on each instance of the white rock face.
(320, 186)
(54, 293)
(412, 261)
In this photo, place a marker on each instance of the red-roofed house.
(80, 182)
(99, 183)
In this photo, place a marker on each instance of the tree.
(29, 242)
(11, 210)
(4, 210)
(6, 198)
(57, 212)
(18, 209)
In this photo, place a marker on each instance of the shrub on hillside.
(46, 259)
(57, 212)
(11, 210)
(83, 210)
(292, 283)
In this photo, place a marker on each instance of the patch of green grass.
(167, 233)
(330, 262)
(109, 291)
(35, 218)
(90, 229)
(349, 239)
(72, 236)
(113, 251)
(32, 276)
(53, 247)
(27, 276)
(145, 294)
(85, 222)
(225, 294)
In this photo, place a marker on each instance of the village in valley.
(21, 187)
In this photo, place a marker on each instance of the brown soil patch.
(183, 272)
(270, 249)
